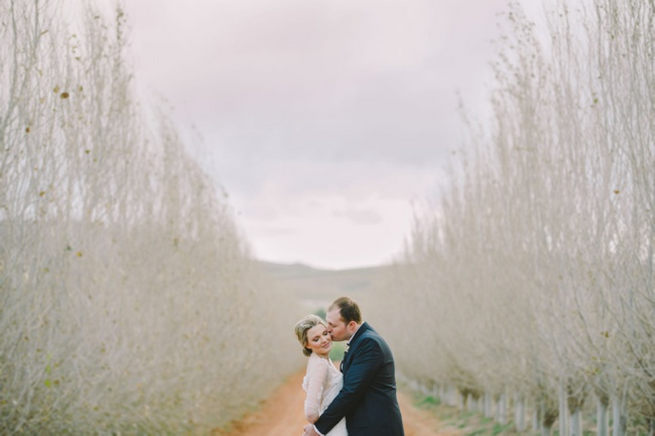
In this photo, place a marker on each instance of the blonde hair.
(302, 327)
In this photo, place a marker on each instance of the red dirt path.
(282, 415)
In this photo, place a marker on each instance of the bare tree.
(128, 299)
(534, 275)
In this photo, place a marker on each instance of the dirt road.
(282, 415)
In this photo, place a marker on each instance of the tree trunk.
(488, 401)
(442, 393)
(435, 392)
(563, 412)
(501, 409)
(618, 417)
(519, 413)
(470, 406)
(457, 398)
(576, 423)
(602, 425)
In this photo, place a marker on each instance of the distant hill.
(316, 288)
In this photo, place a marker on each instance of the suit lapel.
(352, 348)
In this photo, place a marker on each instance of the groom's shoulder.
(371, 334)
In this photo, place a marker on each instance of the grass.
(475, 424)
(427, 402)
(466, 422)
(336, 353)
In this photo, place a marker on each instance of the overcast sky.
(325, 120)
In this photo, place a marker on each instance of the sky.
(328, 122)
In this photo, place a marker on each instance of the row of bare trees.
(128, 300)
(531, 284)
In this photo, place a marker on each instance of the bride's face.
(319, 340)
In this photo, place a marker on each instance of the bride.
(322, 380)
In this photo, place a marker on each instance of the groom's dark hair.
(348, 309)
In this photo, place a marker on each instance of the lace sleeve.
(316, 375)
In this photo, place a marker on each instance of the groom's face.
(336, 326)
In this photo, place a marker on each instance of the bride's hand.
(309, 431)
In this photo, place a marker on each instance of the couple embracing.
(359, 400)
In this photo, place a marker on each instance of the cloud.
(324, 120)
(326, 80)
(359, 216)
(332, 215)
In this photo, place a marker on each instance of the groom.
(368, 397)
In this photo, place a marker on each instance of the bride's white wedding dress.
(322, 383)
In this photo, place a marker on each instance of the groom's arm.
(357, 379)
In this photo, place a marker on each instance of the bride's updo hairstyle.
(303, 326)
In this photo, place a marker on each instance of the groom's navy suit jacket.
(368, 397)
